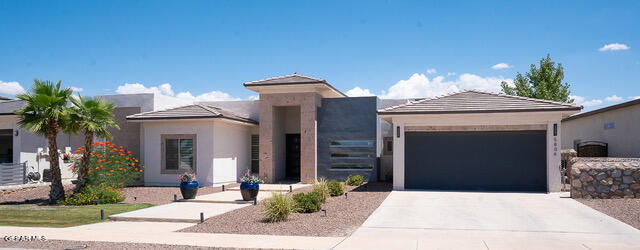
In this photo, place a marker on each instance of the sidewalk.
(142, 235)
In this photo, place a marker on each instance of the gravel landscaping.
(162, 195)
(625, 210)
(343, 216)
(148, 195)
(30, 195)
(64, 244)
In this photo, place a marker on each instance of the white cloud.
(613, 98)
(167, 97)
(136, 88)
(11, 88)
(76, 89)
(254, 97)
(634, 97)
(206, 97)
(501, 66)
(451, 73)
(431, 71)
(614, 47)
(580, 100)
(419, 85)
(357, 91)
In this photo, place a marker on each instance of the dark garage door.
(492, 161)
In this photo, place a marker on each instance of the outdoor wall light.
(16, 133)
(398, 131)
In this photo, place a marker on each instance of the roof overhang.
(192, 118)
(323, 88)
(388, 116)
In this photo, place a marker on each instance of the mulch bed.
(64, 244)
(343, 216)
(625, 210)
(148, 195)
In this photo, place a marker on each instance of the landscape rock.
(605, 178)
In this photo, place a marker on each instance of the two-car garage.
(485, 160)
(477, 141)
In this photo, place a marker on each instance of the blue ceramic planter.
(249, 191)
(189, 189)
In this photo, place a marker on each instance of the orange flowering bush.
(109, 165)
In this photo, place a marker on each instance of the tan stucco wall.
(623, 139)
(272, 130)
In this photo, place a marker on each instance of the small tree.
(541, 83)
(44, 115)
(92, 117)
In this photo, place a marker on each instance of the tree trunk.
(83, 172)
(57, 190)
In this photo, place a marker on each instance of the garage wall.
(547, 119)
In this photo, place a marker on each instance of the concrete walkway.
(210, 205)
(467, 220)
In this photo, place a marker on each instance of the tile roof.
(288, 79)
(473, 101)
(293, 79)
(194, 111)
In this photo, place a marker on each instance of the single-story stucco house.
(302, 128)
(618, 126)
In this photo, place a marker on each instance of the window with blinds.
(179, 153)
(255, 152)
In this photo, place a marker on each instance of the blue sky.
(404, 48)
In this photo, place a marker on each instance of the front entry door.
(293, 156)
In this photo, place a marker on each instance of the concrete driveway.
(475, 220)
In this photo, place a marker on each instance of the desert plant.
(95, 194)
(278, 207)
(92, 117)
(354, 180)
(321, 188)
(43, 114)
(110, 165)
(335, 188)
(307, 203)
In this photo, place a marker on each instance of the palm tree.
(92, 117)
(43, 115)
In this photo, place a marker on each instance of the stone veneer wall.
(605, 178)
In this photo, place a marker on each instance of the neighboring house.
(302, 128)
(20, 146)
(617, 125)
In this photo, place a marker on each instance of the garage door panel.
(487, 160)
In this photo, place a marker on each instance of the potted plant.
(188, 185)
(250, 186)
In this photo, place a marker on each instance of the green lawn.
(59, 216)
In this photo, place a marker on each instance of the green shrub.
(91, 194)
(335, 188)
(109, 164)
(321, 188)
(354, 180)
(278, 207)
(307, 203)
